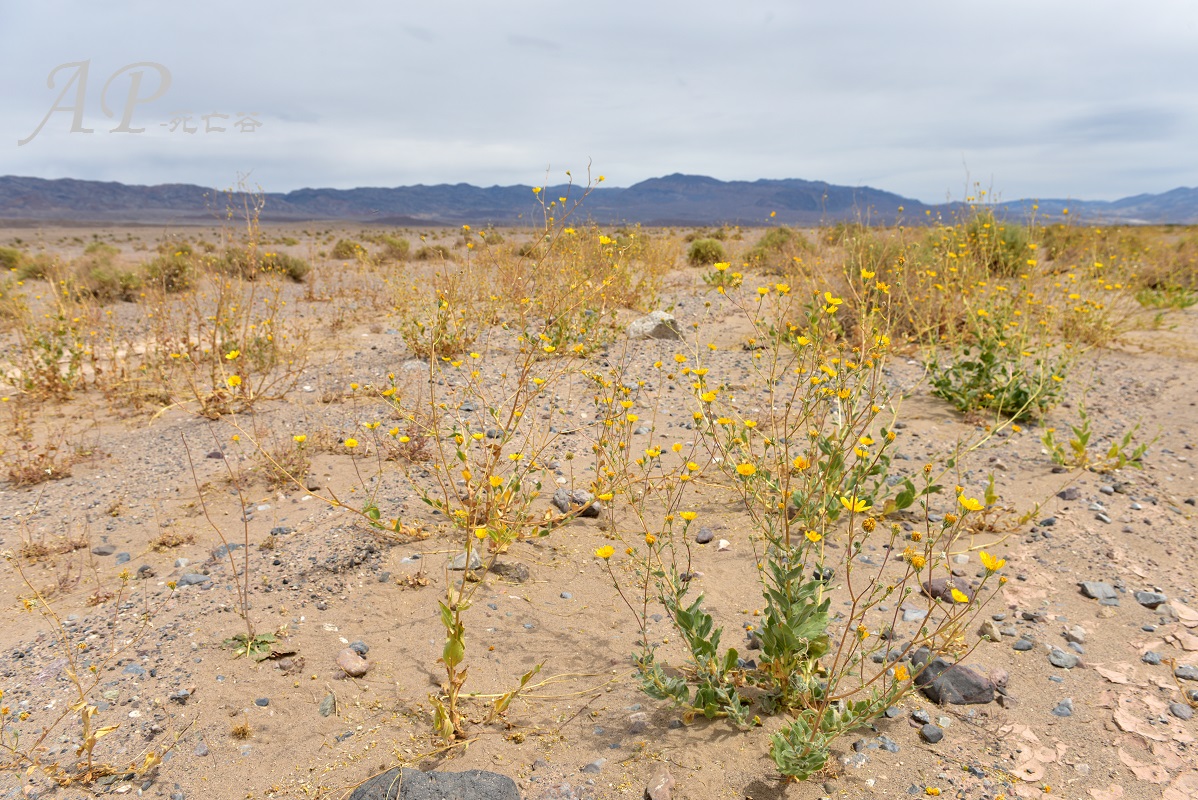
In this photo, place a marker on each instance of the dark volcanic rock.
(957, 684)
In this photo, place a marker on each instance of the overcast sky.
(1052, 98)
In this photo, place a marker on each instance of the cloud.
(1063, 99)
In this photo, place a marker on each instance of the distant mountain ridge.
(669, 200)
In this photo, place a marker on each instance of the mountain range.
(683, 200)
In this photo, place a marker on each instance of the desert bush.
(173, 269)
(347, 250)
(37, 266)
(98, 273)
(10, 258)
(251, 264)
(393, 248)
(1000, 246)
(433, 252)
(705, 252)
(814, 480)
(777, 246)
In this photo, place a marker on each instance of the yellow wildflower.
(970, 503)
(991, 563)
(854, 504)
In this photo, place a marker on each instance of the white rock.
(655, 325)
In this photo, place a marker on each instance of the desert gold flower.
(351, 443)
(749, 423)
(970, 503)
(232, 354)
(480, 533)
(405, 439)
(678, 357)
(813, 536)
(959, 596)
(299, 438)
(854, 504)
(746, 470)
(650, 538)
(707, 397)
(234, 381)
(495, 481)
(900, 673)
(605, 552)
(800, 462)
(689, 516)
(991, 563)
(692, 466)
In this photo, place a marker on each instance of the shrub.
(1006, 369)
(34, 267)
(1000, 246)
(250, 266)
(10, 258)
(434, 252)
(97, 273)
(347, 249)
(393, 248)
(777, 245)
(171, 273)
(703, 252)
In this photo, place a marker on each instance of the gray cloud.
(1066, 99)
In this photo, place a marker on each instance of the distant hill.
(671, 200)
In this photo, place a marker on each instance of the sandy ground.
(325, 581)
